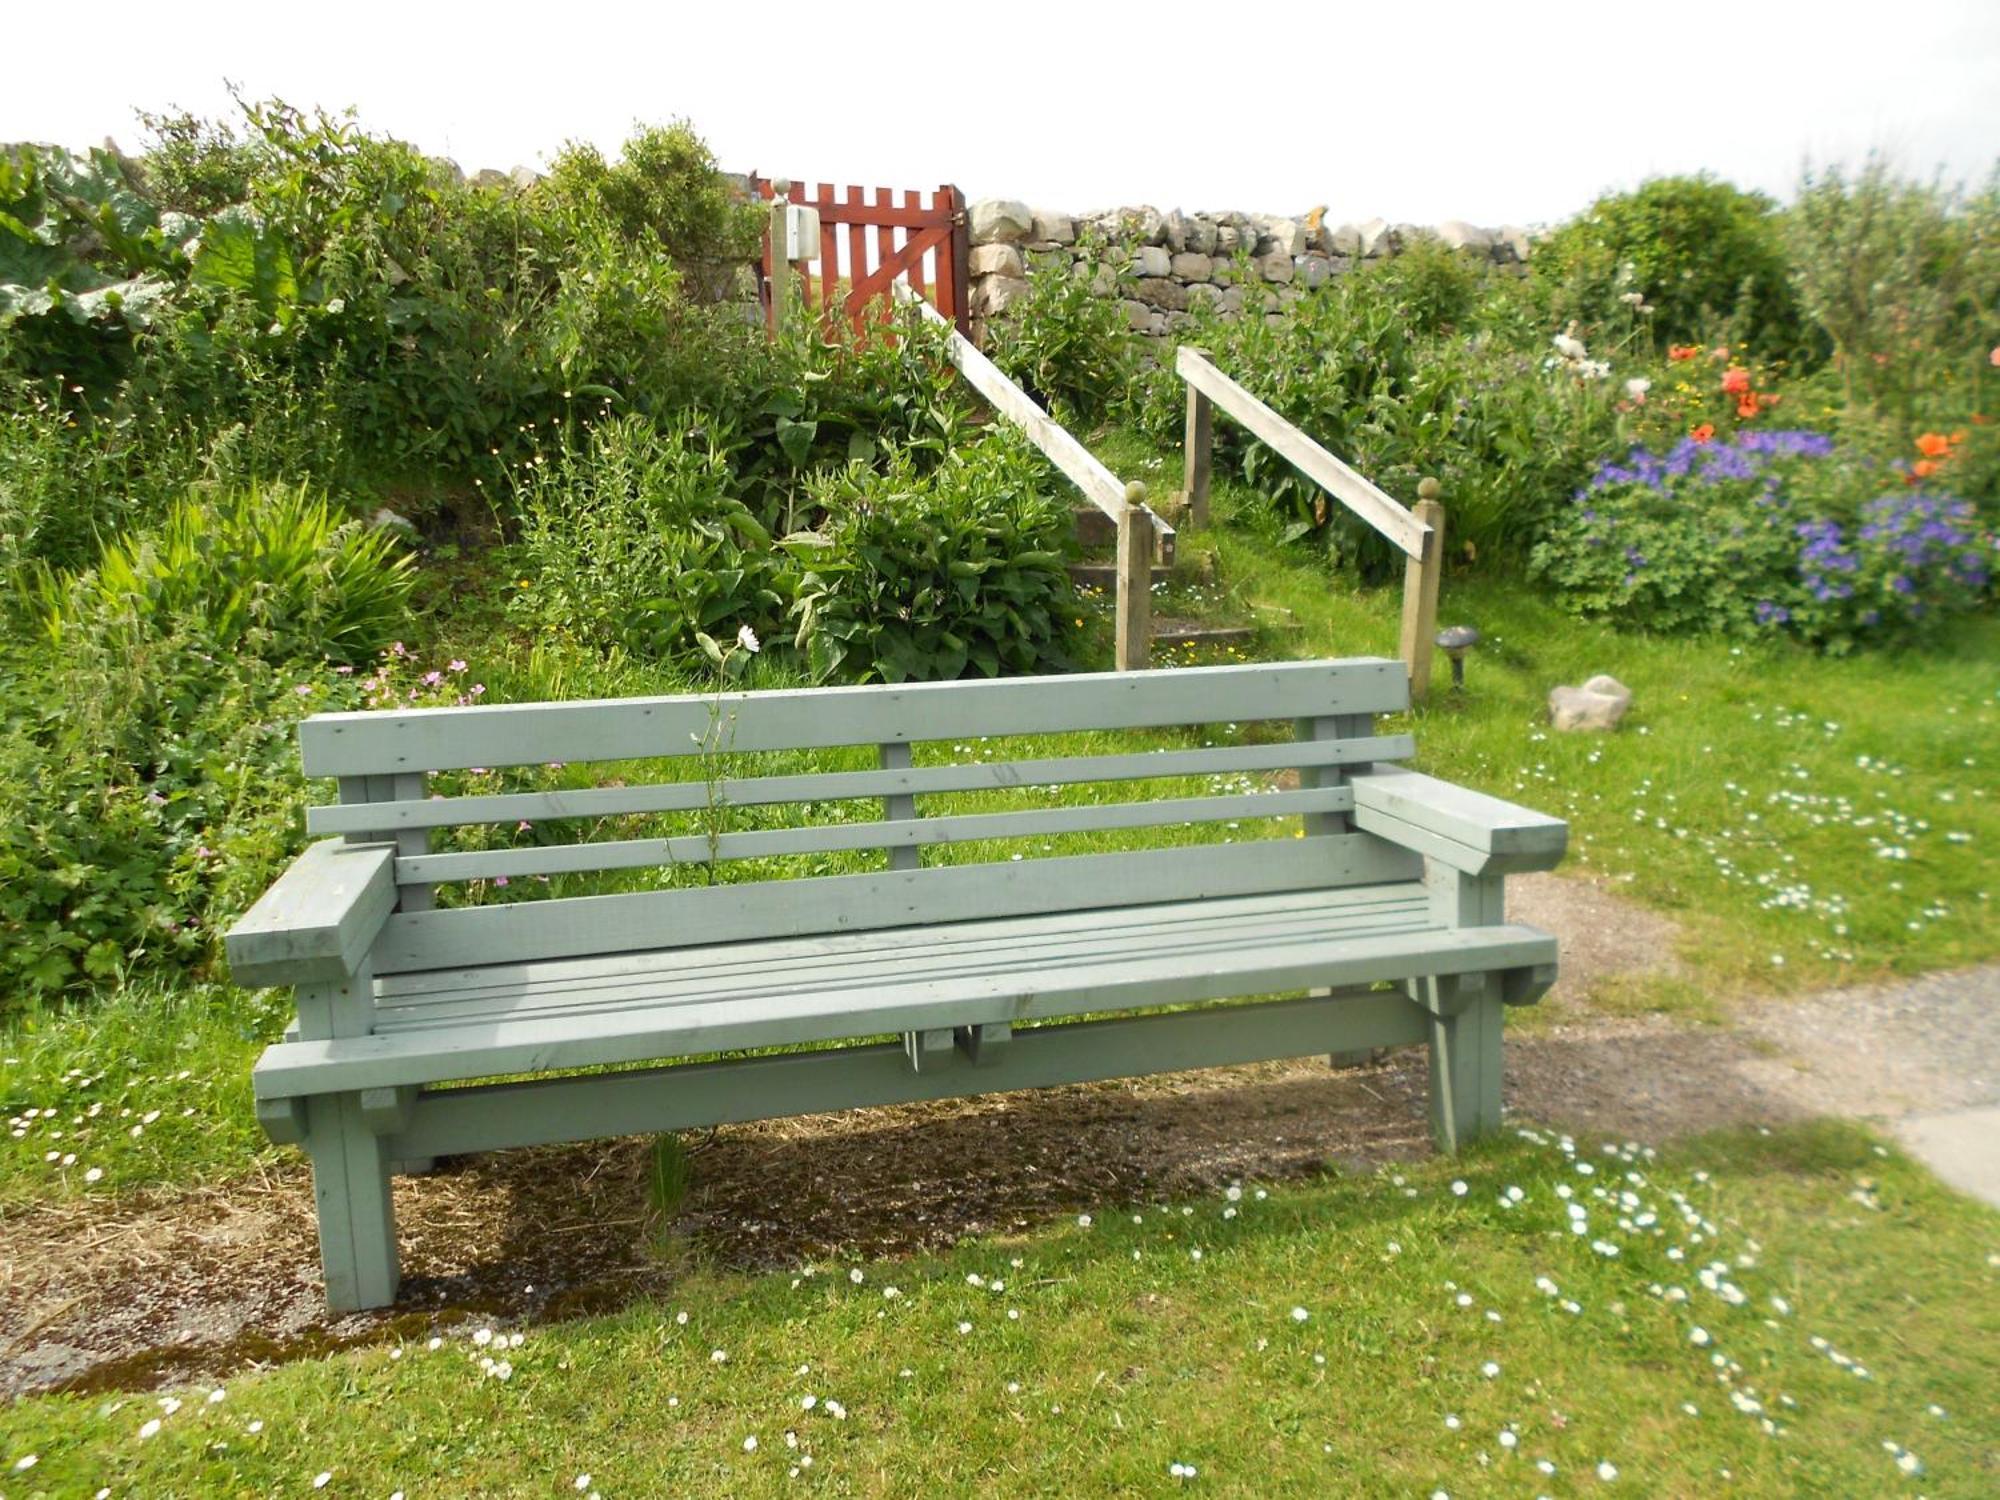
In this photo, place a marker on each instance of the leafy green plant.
(270, 569)
(1069, 348)
(638, 541)
(915, 576)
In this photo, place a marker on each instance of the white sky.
(1509, 110)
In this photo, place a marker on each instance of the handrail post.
(781, 268)
(1197, 455)
(1135, 580)
(1420, 591)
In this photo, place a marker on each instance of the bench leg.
(357, 1221)
(1465, 1063)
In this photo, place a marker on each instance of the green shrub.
(1702, 253)
(1904, 278)
(637, 541)
(268, 570)
(1067, 347)
(917, 576)
(664, 193)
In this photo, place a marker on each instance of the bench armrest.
(317, 923)
(1464, 829)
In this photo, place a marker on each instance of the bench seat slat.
(534, 1045)
(443, 739)
(832, 838)
(579, 926)
(837, 786)
(725, 959)
(857, 962)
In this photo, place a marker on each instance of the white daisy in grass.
(1607, 1471)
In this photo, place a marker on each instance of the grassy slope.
(1130, 1355)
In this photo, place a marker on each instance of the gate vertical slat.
(857, 254)
(885, 249)
(829, 263)
(915, 200)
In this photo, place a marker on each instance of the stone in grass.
(1598, 705)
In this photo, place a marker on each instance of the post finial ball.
(1427, 489)
(1135, 493)
(781, 185)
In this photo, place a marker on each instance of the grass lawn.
(1802, 1312)
(1808, 820)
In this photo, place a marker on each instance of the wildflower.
(1636, 388)
(747, 639)
(1994, 357)
(1747, 408)
(1569, 347)
(1674, 352)
(1735, 382)
(1933, 445)
(1607, 1471)
(1923, 468)
(1704, 433)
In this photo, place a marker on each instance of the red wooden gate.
(926, 244)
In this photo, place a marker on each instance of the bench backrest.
(701, 770)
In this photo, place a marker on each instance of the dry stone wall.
(1161, 265)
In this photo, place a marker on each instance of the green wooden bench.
(1383, 906)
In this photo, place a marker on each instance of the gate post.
(781, 269)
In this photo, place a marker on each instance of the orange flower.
(1703, 433)
(1933, 445)
(1994, 357)
(1690, 351)
(1735, 382)
(1959, 436)
(1923, 468)
(1747, 408)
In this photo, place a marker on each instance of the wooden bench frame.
(1393, 879)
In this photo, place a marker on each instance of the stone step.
(1183, 633)
(1105, 575)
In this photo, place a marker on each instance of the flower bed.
(1772, 530)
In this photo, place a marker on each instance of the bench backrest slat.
(441, 739)
(832, 838)
(586, 925)
(839, 786)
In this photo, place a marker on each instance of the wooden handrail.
(1419, 534)
(1141, 530)
(1404, 530)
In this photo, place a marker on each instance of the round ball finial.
(1428, 489)
(781, 185)
(1135, 493)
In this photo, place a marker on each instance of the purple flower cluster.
(1745, 456)
(1922, 532)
